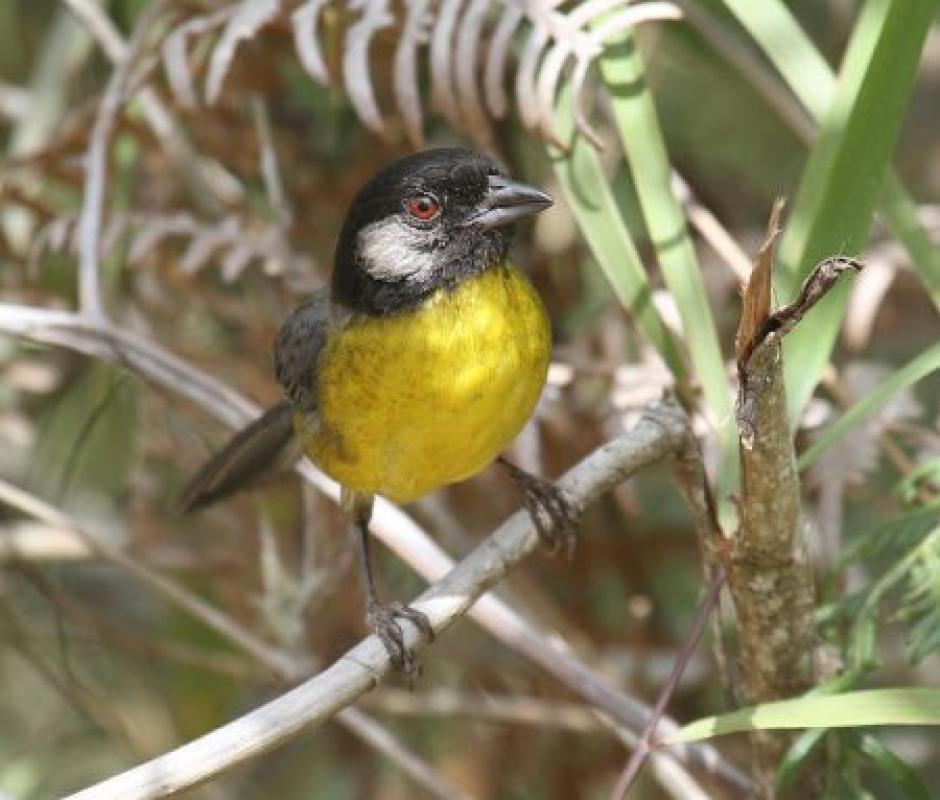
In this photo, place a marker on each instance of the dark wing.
(257, 448)
(298, 346)
(248, 456)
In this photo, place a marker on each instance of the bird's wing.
(257, 449)
(298, 346)
(248, 456)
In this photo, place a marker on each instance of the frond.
(910, 544)
(465, 46)
(920, 607)
(229, 243)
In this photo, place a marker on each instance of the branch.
(96, 169)
(769, 575)
(195, 171)
(644, 747)
(392, 526)
(658, 435)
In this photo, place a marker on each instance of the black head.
(426, 222)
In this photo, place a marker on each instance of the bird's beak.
(507, 201)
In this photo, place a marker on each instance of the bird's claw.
(554, 516)
(383, 619)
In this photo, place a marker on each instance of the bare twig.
(96, 169)
(38, 542)
(487, 707)
(708, 226)
(194, 170)
(393, 527)
(643, 748)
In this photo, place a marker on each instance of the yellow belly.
(417, 400)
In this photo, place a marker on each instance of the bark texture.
(769, 574)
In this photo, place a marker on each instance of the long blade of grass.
(895, 769)
(919, 367)
(843, 179)
(912, 705)
(587, 192)
(641, 137)
(774, 28)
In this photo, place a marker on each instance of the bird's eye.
(423, 207)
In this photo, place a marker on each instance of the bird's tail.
(249, 455)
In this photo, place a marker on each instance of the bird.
(416, 366)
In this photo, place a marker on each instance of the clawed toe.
(383, 619)
(553, 515)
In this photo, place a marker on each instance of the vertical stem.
(770, 578)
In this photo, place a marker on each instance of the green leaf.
(894, 769)
(802, 748)
(587, 191)
(901, 215)
(637, 123)
(928, 471)
(891, 538)
(772, 25)
(843, 179)
(916, 369)
(901, 706)
(922, 602)
(796, 756)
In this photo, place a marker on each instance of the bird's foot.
(554, 516)
(383, 619)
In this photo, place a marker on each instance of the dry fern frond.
(468, 43)
(231, 244)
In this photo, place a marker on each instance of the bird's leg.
(383, 617)
(553, 515)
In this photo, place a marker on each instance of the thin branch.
(206, 193)
(96, 169)
(644, 746)
(319, 698)
(485, 707)
(99, 25)
(393, 527)
(709, 227)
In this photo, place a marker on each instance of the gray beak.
(506, 202)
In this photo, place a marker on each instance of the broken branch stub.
(769, 576)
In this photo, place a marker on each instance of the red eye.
(423, 207)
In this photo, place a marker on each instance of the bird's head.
(423, 223)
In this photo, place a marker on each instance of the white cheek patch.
(392, 250)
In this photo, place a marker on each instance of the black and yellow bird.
(421, 362)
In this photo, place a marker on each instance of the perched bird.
(421, 362)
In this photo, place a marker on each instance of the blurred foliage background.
(96, 672)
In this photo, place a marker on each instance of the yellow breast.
(410, 402)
